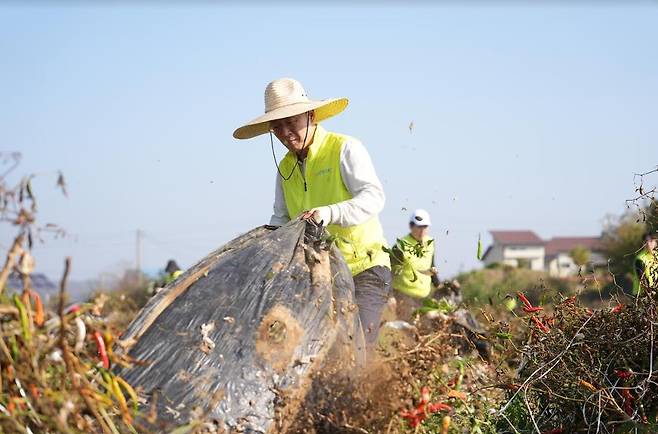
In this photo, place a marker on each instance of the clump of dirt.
(278, 335)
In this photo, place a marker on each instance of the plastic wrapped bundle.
(238, 338)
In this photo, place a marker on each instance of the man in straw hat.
(329, 178)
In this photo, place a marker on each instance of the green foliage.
(475, 414)
(493, 284)
(479, 251)
(417, 249)
(523, 263)
(122, 302)
(433, 305)
(400, 253)
(495, 265)
(580, 255)
(622, 239)
(516, 417)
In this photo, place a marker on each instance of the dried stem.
(10, 261)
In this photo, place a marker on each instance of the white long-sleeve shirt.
(361, 181)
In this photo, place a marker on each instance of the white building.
(558, 258)
(516, 248)
(526, 249)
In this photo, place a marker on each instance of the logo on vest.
(322, 172)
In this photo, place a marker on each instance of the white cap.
(420, 217)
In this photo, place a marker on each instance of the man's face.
(419, 232)
(291, 131)
(651, 243)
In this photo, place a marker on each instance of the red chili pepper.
(417, 415)
(540, 325)
(11, 407)
(34, 391)
(438, 406)
(623, 374)
(524, 300)
(628, 401)
(617, 308)
(532, 309)
(424, 395)
(73, 308)
(102, 353)
(39, 314)
(454, 380)
(570, 300)
(414, 416)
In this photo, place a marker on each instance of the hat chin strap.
(278, 169)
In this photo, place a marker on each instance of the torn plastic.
(238, 337)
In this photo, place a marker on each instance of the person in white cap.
(330, 178)
(412, 264)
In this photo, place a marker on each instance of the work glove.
(321, 215)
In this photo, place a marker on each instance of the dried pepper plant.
(55, 367)
(585, 370)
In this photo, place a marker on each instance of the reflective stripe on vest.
(361, 245)
(412, 275)
(650, 275)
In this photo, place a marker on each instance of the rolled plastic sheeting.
(237, 338)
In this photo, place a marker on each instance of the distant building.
(39, 282)
(516, 248)
(76, 290)
(558, 258)
(525, 249)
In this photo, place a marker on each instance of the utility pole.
(138, 255)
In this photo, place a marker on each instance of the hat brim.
(323, 110)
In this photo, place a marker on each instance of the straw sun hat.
(286, 97)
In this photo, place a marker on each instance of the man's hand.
(434, 271)
(321, 215)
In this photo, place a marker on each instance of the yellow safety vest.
(170, 277)
(411, 272)
(322, 184)
(650, 277)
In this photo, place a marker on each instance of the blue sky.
(526, 117)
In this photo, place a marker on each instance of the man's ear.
(312, 117)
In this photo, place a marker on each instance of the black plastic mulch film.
(251, 322)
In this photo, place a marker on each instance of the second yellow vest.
(411, 271)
